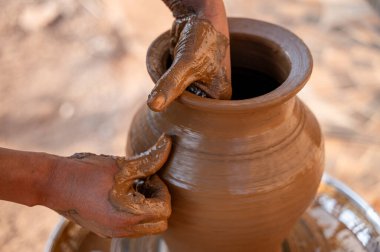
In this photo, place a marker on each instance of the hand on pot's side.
(200, 51)
(114, 196)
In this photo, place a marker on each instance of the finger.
(147, 163)
(220, 87)
(152, 200)
(157, 197)
(150, 228)
(156, 204)
(171, 85)
(175, 33)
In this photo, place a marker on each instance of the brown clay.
(241, 172)
(148, 197)
(198, 53)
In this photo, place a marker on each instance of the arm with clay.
(96, 191)
(99, 192)
(200, 51)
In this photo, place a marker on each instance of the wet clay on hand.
(138, 191)
(199, 53)
(115, 196)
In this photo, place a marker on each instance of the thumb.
(146, 163)
(171, 85)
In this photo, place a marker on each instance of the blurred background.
(72, 74)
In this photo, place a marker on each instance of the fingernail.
(156, 101)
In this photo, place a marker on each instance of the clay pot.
(243, 171)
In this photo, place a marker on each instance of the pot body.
(241, 172)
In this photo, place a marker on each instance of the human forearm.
(96, 191)
(211, 10)
(25, 176)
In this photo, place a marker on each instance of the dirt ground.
(72, 74)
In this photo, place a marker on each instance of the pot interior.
(259, 66)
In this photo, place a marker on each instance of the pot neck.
(225, 123)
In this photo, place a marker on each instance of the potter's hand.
(200, 54)
(115, 196)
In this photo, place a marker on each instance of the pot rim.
(299, 56)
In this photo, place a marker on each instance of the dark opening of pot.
(259, 66)
(249, 83)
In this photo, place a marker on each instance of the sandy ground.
(73, 74)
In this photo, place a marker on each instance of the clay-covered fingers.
(150, 228)
(146, 163)
(181, 73)
(150, 198)
(175, 33)
(150, 212)
(156, 208)
(199, 58)
(156, 205)
(171, 85)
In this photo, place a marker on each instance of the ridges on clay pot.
(243, 171)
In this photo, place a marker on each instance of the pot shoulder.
(292, 147)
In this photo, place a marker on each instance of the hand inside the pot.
(200, 52)
(115, 196)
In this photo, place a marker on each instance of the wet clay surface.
(198, 52)
(229, 193)
(237, 167)
(139, 192)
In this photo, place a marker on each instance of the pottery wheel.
(339, 220)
